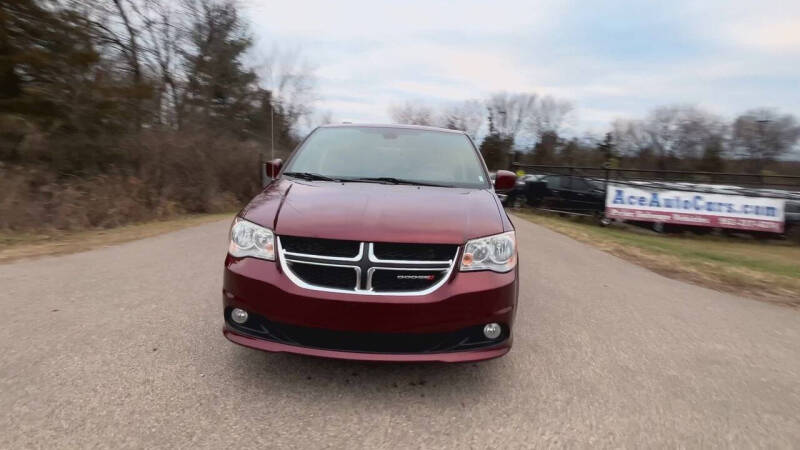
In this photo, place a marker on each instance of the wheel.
(658, 227)
(793, 233)
(517, 202)
(761, 236)
(604, 221)
(701, 231)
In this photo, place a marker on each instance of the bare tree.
(162, 39)
(132, 49)
(662, 128)
(764, 135)
(682, 131)
(292, 81)
(671, 132)
(549, 115)
(147, 39)
(630, 137)
(467, 116)
(411, 113)
(509, 113)
(117, 30)
(698, 132)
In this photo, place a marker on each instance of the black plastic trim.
(365, 342)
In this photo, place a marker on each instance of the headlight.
(497, 253)
(249, 239)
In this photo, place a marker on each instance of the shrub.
(159, 175)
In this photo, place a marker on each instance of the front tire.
(793, 233)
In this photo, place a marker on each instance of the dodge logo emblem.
(415, 277)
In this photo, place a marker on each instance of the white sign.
(705, 209)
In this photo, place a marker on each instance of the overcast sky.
(612, 59)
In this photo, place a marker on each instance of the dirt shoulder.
(18, 245)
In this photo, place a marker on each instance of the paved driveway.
(121, 347)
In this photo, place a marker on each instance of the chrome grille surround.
(365, 263)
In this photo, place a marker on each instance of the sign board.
(704, 209)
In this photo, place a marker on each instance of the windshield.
(422, 156)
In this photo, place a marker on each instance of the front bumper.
(440, 326)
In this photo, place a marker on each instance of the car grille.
(366, 342)
(366, 267)
(313, 246)
(413, 252)
(337, 277)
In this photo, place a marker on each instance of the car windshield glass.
(410, 155)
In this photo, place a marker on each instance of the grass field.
(764, 270)
(16, 245)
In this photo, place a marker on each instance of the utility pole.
(272, 129)
(762, 144)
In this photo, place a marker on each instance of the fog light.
(492, 330)
(240, 316)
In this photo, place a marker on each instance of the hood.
(376, 212)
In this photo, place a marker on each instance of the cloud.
(346, 19)
(611, 58)
(779, 36)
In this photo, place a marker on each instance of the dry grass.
(158, 176)
(768, 271)
(18, 245)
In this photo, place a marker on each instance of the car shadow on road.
(323, 376)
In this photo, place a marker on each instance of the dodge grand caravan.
(373, 242)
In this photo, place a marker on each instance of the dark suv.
(379, 243)
(567, 193)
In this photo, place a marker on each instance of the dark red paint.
(372, 212)
(377, 212)
(273, 168)
(468, 298)
(504, 180)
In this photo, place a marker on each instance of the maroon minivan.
(379, 243)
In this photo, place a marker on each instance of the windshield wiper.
(393, 180)
(310, 176)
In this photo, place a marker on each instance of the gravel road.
(121, 347)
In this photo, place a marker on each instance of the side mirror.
(504, 180)
(271, 170)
